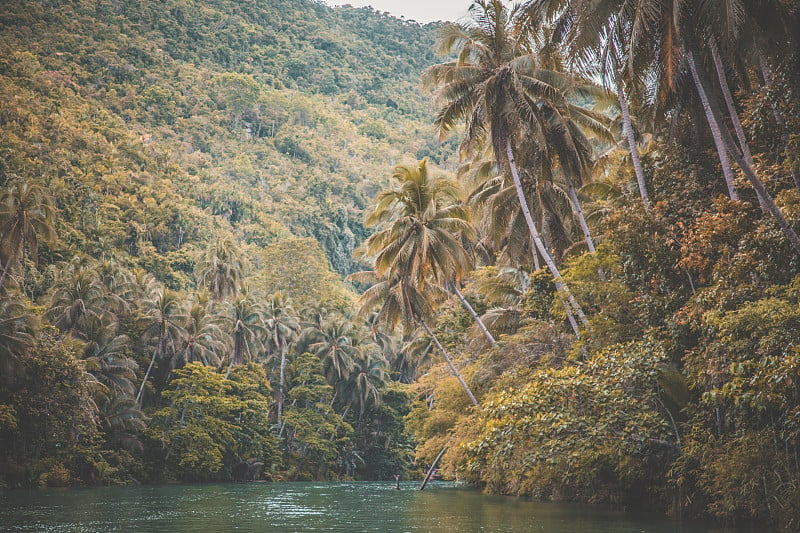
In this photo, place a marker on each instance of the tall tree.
(26, 217)
(427, 224)
(18, 327)
(494, 86)
(247, 323)
(164, 328)
(397, 300)
(204, 339)
(221, 270)
(282, 326)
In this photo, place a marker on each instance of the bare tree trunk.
(573, 196)
(749, 172)
(149, 369)
(453, 369)
(472, 312)
(281, 383)
(5, 272)
(431, 469)
(628, 127)
(732, 112)
(551, 265)
(716, 130)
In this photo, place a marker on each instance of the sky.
(419, 10)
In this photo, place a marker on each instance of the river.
(301, 507)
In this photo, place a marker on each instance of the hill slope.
(170, 122)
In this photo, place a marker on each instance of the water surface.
(307, 507)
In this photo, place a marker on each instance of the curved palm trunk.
(431, 469)
(627, 126)
(156, 351)
(236, 356)
(732, 112)
(472, 312)
(551, 265)
(716, 130)
(449, 362)
(281, 382)
(573, 196)
(5, 272)
(729, 103)
(749, 172)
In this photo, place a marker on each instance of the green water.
(290, 507)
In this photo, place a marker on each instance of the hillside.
(196, 173)
(266, 118)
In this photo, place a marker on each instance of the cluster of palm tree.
(514, 85)
(665, 59)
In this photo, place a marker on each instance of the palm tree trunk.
(472, 312)
(627, 126)
(432, 468)
(729, 103)
(281, 382)
(716, 130)
(749, 172)
(149, 369)
(449, 362)
(548, 259)
(732, 112)
(573, 196)
(5, 272)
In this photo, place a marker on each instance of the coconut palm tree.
(362, 388)
(164, 321)
(506, 288)
(247, 326)
(105, 356)
(283, 327)
(78, 296)
(204, 339)
(399, 301)
(335, 345)
(26, 217)
(221, 270)
(653, 40)
(18, 327)
(425, 226)
(495, 87)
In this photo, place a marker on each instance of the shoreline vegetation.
(553, 245)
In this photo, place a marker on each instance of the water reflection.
(307, 507)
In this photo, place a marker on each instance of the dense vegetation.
(601, 304)
(612, 281)
(181, 187)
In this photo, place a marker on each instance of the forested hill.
(159, 126)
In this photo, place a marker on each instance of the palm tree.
(426, 226)
(283, 327)
(77, 296)
(26, 216)
(654, 37)
(597, 39)
(397, 300)
(221, 270)
(203, 341)
(247, 326)
(335, 345)
(494, 86)
(105, 356)
(164, 327)
(363, 386)
(507, 290)
(17, 334)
